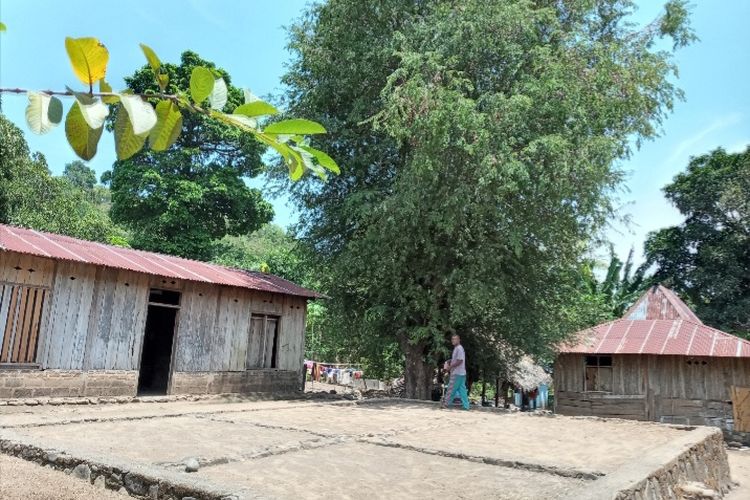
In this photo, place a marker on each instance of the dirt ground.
(22, 480)
(306, 449)
(739, 462)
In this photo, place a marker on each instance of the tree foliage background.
(179, 201)
(482, 142)
(706, 259)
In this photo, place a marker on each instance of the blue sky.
(248, 39)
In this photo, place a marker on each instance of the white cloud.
(693, 143)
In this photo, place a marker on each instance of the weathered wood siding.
(215, 331)
(669, 388)
(94, 319)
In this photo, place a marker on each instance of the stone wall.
(62, 383)
(250, 381)
(697, 457)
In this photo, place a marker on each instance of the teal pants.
(457, 387)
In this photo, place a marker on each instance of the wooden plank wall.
(96, 321)
(214, 329)
(117, 320)
(94, 318)
(696, 389)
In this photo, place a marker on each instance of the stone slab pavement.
(308, 449)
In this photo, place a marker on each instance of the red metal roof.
(658, 336)
(55, 246)
(658, 323)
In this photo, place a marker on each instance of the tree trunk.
(497, 392)
(419, 373)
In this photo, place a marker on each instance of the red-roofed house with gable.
(658, 362)
(79, 318)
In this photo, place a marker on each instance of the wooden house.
(658, 362)
(79, 318)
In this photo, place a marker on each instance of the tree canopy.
(706, 258)
(31, 197)
(179, 200)
(482, 143)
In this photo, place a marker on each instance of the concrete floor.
(302, 449)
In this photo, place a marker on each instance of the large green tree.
(706, 258)
(270, 249)
(179, 201)
(481, 142)
(31, 197)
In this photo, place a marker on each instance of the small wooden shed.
(79, 318)
(658, 362)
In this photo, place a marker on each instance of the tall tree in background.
(80, 175)
(31, 197)
(707, 258)
(481, 141)
(181, 200)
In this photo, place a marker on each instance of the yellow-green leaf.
(168, 126)
(155, 63)
(88, 57)
(323, 159)
(201, 84)
(127, 143)
(37, 113)
(255, 108)
(81, 137)
(295, 126)
(105, 87)
(151, 57)
(2, 27)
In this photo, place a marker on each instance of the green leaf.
(244, 121)
(151, 57)
(201, 84)
(37, 113)
(292, 159)
(55, 110)
(323, 159)
(81, 137)
(155, 63)
(218, 97)
(255, 108)
(168, 126)
(2, 27)
(88, 57)
(127, 143)
(105, 87)
(295, 126)
(309, 162)
(141, 113)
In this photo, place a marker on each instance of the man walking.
(457, 368)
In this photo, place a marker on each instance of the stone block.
(12, 381)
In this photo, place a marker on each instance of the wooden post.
(497, 392)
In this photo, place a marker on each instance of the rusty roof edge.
(303, 292)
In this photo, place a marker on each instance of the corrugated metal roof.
(660, 302)
(658, 323)
(55, 246)
(658, 336)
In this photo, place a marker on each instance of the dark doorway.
(156, 355)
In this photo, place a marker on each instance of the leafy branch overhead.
(156, 118)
